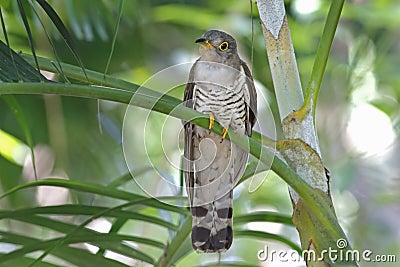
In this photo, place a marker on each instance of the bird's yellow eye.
(223, 46)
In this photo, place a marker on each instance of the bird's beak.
(204, 42)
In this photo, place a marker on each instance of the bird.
(221, 86)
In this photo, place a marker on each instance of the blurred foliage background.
(358, 113)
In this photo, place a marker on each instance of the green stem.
(176, 244)
(323, 51)
(75, 72)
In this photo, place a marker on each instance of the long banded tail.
(212, 225)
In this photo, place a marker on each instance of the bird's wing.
(250, 99)
(189, 133)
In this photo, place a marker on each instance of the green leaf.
(25, 261)
(120, 9)
(86, 210)
(128, 177)
(62, 30)
(99, 190)
(78, 235)
(58, 66)
(13, 68)
(179, 245)
(19, 114)
(263, 216)
(75, 256)
(12, 148)
(28, 31)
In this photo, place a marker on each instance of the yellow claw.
(211, 121)
(224, 132)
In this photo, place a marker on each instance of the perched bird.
(220, 85)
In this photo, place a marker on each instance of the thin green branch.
(323, 51)
(28, 32)
(49, 39)
(120, 9)
(264, 216)
(55, 18)
(76, 256)
(75, 72)
(76, 209)
(176, 244)
(98, 190)
(23, 122)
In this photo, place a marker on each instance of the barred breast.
(221, 93)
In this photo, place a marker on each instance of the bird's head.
(218, 46)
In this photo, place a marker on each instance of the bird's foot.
(224, 133)
(211, 124)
